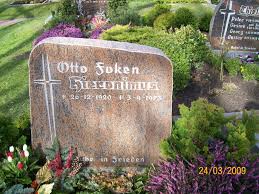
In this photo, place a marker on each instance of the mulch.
(233, 93)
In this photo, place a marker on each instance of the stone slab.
(111, 100)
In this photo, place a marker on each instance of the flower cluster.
(249, 59)
(181, 176)
(62, 30)
(98, 21)
(72, 164)
(20, 157)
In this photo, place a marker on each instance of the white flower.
(11, 149)
(26, 153)
(10, 159)
(25, 147)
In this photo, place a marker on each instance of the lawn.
(16, 43)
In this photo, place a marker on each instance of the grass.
(16, 44)
(197, 8)
(26, 11)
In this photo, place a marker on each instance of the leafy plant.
(165, 21)
(157, 10)
(232, 66)
(250, 72)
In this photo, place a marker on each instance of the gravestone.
(111, 100)
(91, 7)
(236, 26)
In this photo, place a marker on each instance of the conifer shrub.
(165, 21)
(151, 15)
(204, 22)
(184, 17)
(204, 122)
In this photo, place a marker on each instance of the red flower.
(9, 154)
(20, 165)
(56, 165)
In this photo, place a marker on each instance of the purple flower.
(62, 30)
(181, 176)
(96, 33)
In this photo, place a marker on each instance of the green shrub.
(186, 47)
(8, 132)
(65, 13)
(204, 22)
(165, 21)
(250, 72)
(204, 122)
(124, 16)
(151, 15)
(115, 5)
(184, 17)
(232, 66)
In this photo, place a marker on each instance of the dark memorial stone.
(111, 100)
(236, 25)
(92, 7)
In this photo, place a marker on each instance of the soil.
(233, 93)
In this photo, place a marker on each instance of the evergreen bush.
(151, 15)
(184, 17)
(204, 122)
(204, 22)
(165, 21)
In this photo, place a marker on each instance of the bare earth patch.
(233, 94)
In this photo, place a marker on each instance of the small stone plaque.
(111, 100)
(236, 25)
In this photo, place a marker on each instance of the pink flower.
(22, 154)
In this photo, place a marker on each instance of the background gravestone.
(111, 100)
(236, 25)
(91, 7)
